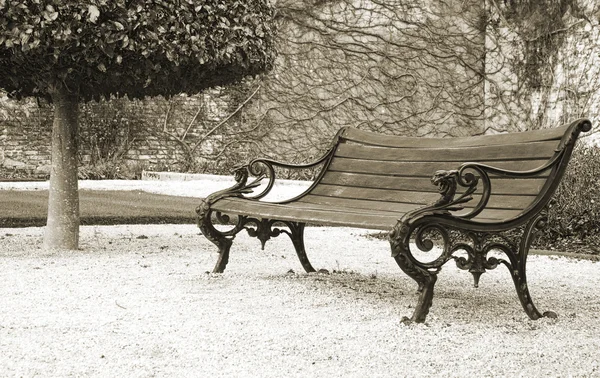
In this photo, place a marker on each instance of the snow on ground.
(135, 301)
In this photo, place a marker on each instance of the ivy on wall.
(541, 25)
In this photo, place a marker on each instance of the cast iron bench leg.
(426, 281)
(224, 246)
(296, 234)
(222, 240)
(520, 280)
(261, 229)
(518, 264)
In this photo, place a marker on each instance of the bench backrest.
(374, 171)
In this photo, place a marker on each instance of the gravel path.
(135, 302)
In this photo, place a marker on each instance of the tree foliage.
(136, 48)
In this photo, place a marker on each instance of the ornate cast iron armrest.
(260, 169)
(240, 188)
(265, 168)
(468, 176)
(447, 182)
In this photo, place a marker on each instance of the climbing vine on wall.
(541, 26)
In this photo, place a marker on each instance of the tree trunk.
(62, 227)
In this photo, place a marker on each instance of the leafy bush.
(16, 174)
(574, 212)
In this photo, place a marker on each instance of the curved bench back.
(374, 171)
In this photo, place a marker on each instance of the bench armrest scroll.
(265, 168)
(261, 169)
(447, 181)
(468, 175)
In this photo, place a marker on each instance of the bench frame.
(438, 221)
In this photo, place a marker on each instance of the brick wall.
(150, 132)
(25, 131)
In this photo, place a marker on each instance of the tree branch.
(211, 131)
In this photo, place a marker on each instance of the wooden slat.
(420, 198)
(496, 215)
(419, 169)
(371, 220)
(400, 208)
(394, 207)
(535, 150)
(346, 208)
(375, 139)
(500, 185)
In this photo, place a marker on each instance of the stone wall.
(152, 132)
(25, 131)
(543, 64)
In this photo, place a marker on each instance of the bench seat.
(347, 214)
(327, 215)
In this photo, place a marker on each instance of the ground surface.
(135, 302)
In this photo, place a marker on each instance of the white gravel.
(135, 302)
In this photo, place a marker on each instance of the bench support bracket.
(474, 246)
(262, 229)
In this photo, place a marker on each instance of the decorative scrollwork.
(575, 128)
(239, 189)
(424, 242)
(476, 245)
(262, 229)
(447, 182)
(477, 261)
(261, 169)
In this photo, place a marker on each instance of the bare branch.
(211, 131)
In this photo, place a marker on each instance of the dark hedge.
(574, 211)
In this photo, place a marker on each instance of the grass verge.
(99, 207)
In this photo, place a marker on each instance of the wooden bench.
(489, 193)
